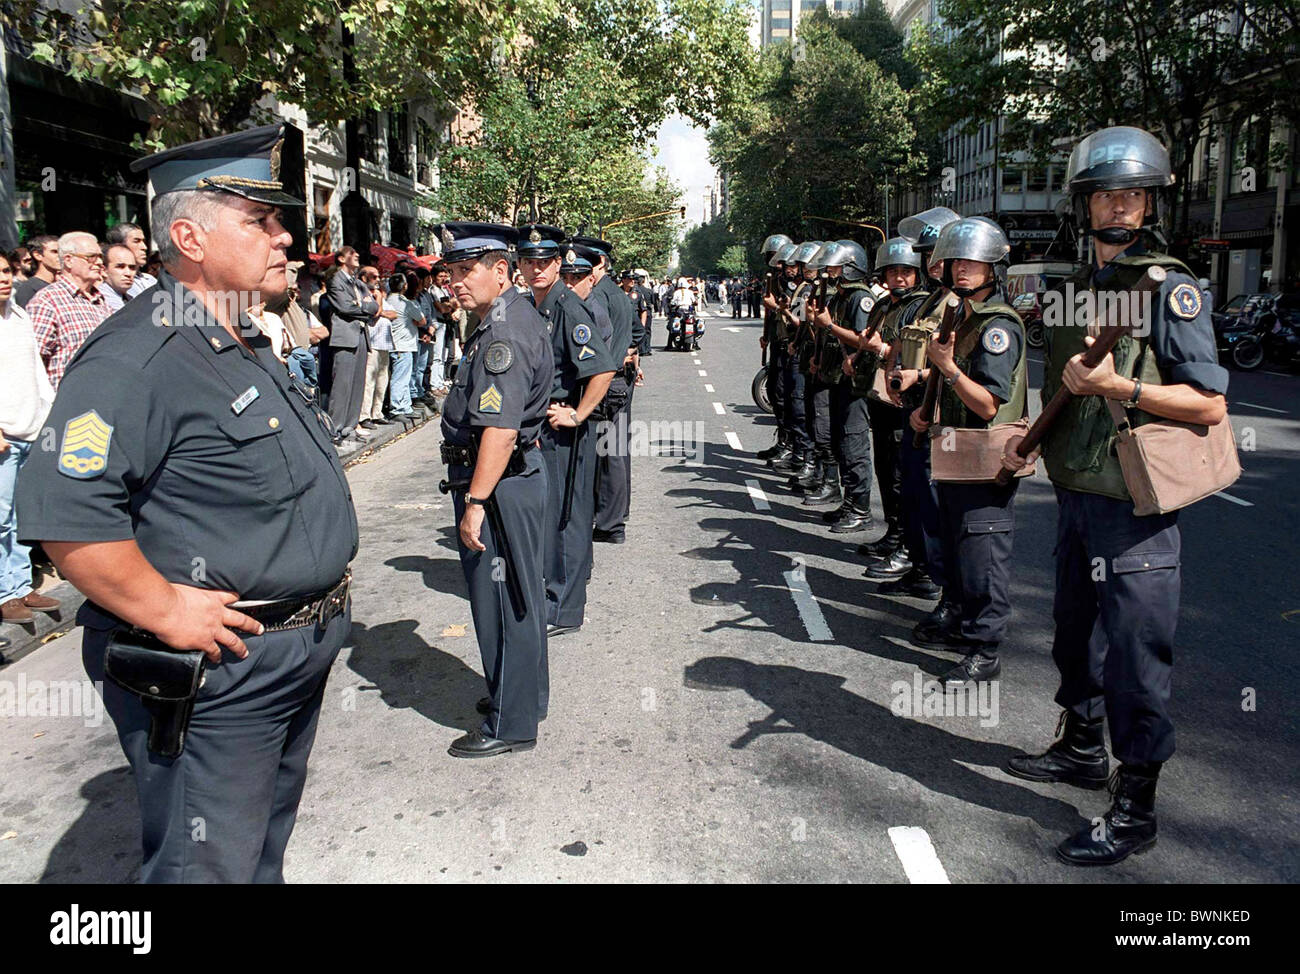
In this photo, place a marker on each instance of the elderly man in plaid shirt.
(67, 311)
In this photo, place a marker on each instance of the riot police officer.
(814, 396)
(195, 495)
(984, 382)
(1114, 637)
(583, 370)
(491, 420)
(771, 348)
(846, 317)
(791, 416)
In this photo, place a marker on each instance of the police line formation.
(193, 442)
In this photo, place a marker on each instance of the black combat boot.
(936, 629)
(828, 492)
(892, 566)
(776, 449)
(1077, 758)
(830, 517)
(1128, 828)
(856, 518)
(886, 544)
(975, 667)
(789, 464)
(915, 582)
(809, 476)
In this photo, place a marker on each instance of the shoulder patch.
(84, 453)
(996, 340)
(498, 357)
(582, 334)
(1185, 301)
(585, 353)
(866, 302)
(490, 401)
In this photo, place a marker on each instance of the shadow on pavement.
(103, 844)
(411, 674)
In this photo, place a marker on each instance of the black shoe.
(608, 537)
(476, 744)
(807, 477)
(367, 424)
(937, 629)
(855, 519)
(889, 568)
(1128, 828)
(789, 464)
(1078, 756)
(973, 668)
(827, 492)
(647, 353)
(830, 517)
(784, 455)
(915, 583)
(887, 544)
(775, 450)
(553, 631)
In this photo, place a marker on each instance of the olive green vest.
(830, 366)
(885, 318)
(984, 314)
(810, 346)
(1079, 449)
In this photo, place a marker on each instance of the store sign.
(1033, 234)
(1215, 246)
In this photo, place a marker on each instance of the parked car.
(1026, 285)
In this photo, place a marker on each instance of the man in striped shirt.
(67, 311)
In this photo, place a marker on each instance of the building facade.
(780, 18)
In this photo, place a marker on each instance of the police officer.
(773, 349)
(1114, 638)
(814, 401)
(583, 371)
(196, 495)
(491, 421)
(908, 368)
(614, 463)
(648, 297)
(791, 416)
(846, 318)
(984, 382)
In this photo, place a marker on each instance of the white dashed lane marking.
(719, 409)
(707, 387)
(733, 441)
(703, 374)
(810, 613)
(757, 496)
(1236, 500)
(916, 852)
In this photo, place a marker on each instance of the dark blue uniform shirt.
(505, 376)
(172, 433)
(578, 351)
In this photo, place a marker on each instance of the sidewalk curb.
(44, 628)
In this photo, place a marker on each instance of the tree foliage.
(703, 247)
(204, 65)
(825, 131)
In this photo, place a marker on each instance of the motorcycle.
(684, 332)
(1264, 333)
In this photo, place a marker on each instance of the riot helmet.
(850, 255)
(924, 227)
(899, 252)
(805, 251)
(783, 256)
(1120, 157)
(973, 238)
(774, 243)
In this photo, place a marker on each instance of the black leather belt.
(317, 609)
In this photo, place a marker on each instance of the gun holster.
(166, 681)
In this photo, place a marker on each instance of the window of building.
(780, 5)
(1013, 178)
(398, 142)
(1037, 182)
(781, 24)
(1249, 160)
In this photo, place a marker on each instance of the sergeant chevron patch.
(84, 453)
(490, 401)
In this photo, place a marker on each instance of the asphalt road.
(727, 712)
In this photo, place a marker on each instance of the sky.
(683, 150)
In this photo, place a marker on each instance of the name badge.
(242, 403)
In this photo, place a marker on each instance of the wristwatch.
(471, 499)
(951, 380)
(1132, 401)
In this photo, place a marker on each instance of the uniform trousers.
(887, 422)
(792, 389)
(775, 380)
(851, 443)
(1118, 580)
(223, 810)
(979, 527)
(923, 533)
(568, 543)
(613, 479)
(817, 414)
(512, 648)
